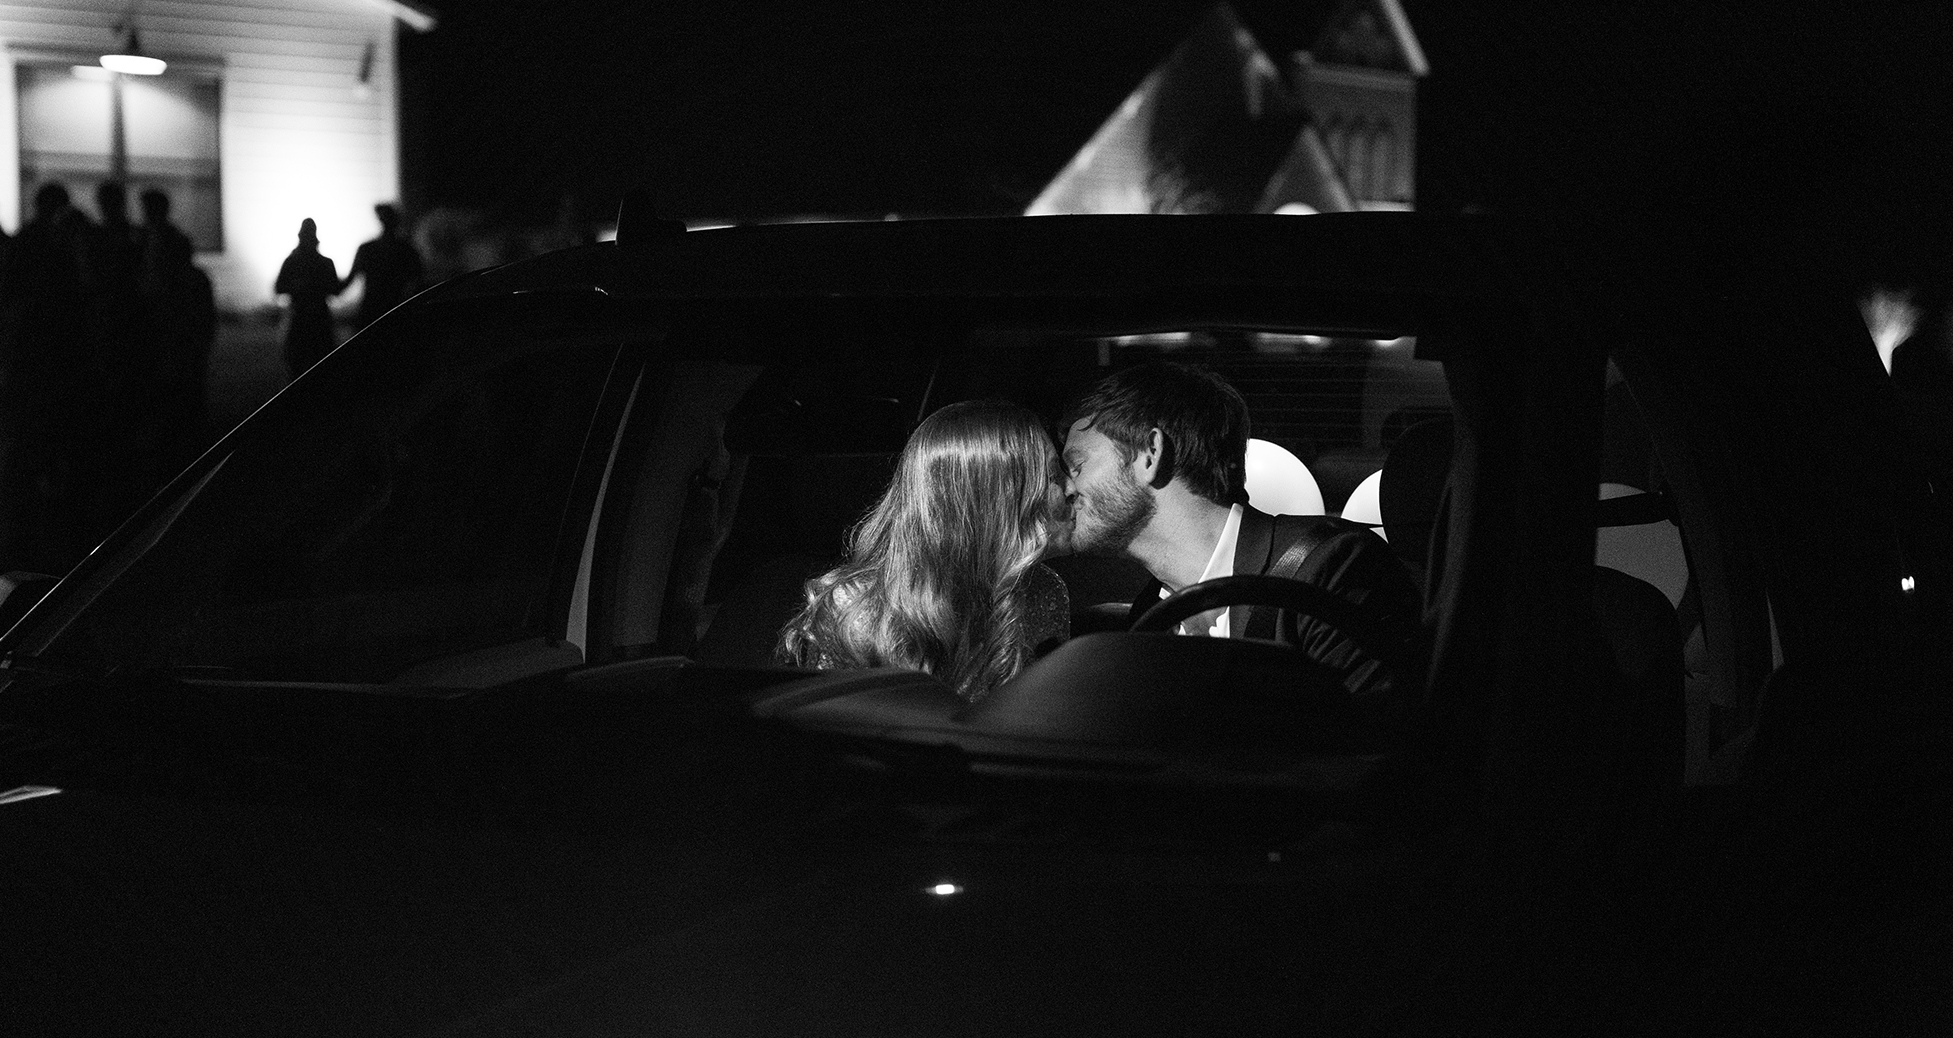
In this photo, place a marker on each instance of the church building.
(1220, 126)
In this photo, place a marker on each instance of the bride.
(943, 574)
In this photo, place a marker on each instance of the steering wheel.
(1378, 635)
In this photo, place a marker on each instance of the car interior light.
(1156, 340)
(1908, 585)
(945, 889)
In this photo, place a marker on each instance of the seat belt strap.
(1312, 533)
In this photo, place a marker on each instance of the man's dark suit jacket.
(1351, 562)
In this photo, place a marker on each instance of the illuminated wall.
(171, 129)
(307, 115)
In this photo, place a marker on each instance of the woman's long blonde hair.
(934, 570)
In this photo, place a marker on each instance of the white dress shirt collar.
(1219, 564)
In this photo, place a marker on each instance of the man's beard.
(1113, 517)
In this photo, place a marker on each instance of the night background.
(1823, 129)
(555, 807)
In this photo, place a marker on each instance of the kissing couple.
(946, 573)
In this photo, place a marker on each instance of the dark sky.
(1826, 128)
(738, 108)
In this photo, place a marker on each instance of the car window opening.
(815, 455)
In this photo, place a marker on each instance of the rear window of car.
(1336, 403)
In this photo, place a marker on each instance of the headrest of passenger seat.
(1279, 483)
(1364, 504)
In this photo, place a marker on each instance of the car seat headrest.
(1279, 483)
(1365, 505)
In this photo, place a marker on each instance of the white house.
(267, 113)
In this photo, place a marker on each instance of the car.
(440, 695)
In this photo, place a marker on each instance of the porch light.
(130, 60)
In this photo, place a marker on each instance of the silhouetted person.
(310, 281)
(112, 480)
(111, 256)
(164, 245)
(183, 324)
(45, 372)
(389, 266)
(110, 259)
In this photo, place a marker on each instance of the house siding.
(297, 135)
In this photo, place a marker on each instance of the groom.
(1156, 457)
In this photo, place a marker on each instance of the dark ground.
(245, 371)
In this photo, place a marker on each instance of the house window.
(169, 130)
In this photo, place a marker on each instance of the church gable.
(1216, 128)
(1373, 34)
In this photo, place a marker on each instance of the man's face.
(1109, 505)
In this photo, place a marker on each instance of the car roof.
(1041, 257)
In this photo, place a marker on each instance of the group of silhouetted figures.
(106, 331)
(105, 335)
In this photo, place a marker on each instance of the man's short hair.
(50, 197)
(1203, 419)
(112, 198)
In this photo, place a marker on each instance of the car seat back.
(1635, 615)
(1410, 492)
(1650, 713)
(812, 472)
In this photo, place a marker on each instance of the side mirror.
(21, 591)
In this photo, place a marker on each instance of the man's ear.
(1154, 465)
